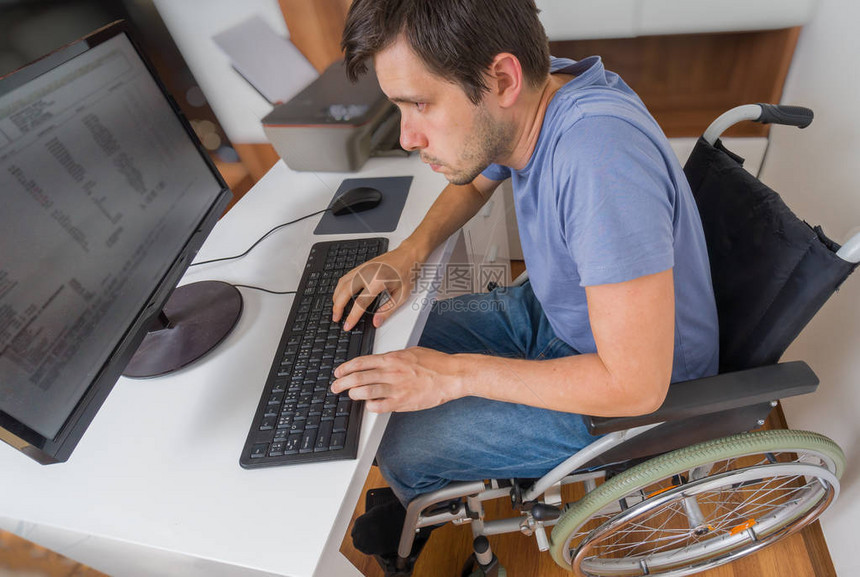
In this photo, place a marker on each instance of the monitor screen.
(106, 196)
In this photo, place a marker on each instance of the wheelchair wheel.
(701, 506)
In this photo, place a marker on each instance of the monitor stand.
(194, 320)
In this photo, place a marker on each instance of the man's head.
(456, 39)
(455, 68)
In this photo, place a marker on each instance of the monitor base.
(195, 319)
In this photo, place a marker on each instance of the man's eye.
(420, 106)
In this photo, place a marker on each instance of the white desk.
(155, 487)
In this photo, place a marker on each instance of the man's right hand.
(393, 272)
(389, 274)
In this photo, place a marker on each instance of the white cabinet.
(693, 16)
(582, 19)
(481, 254)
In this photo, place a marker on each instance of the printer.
(335, 125)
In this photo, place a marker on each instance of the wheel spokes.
(727, 517)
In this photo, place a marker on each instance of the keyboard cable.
(265, 290)
(259, 240)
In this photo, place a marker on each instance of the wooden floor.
(20, 558)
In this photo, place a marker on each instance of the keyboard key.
(298, 426)
(268, 423)
(292, 446)
(323, 436)
(339, 425)
(280, 386)
(337, 440)
(308, 441)
(354, 345)
(343, 407)
(277, 449)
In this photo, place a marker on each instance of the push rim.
(589, 514)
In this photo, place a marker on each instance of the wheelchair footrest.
(377, 533)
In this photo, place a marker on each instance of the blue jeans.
(473, 438)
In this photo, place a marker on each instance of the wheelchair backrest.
(770, 270)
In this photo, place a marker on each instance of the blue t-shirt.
(604, 200)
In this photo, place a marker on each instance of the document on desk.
(269, 62)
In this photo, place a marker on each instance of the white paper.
(269, 62)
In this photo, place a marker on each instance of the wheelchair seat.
(685, 498)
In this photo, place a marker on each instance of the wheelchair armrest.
(718, 393)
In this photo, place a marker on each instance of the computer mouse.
(355, 200)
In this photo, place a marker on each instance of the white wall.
(192, 24)
(817, 171)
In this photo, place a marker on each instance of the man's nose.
(410, 137)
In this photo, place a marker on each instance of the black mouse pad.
(383, 218)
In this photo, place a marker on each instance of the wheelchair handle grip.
(789, 115)
(764, 113)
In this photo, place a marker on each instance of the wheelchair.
(695, 484)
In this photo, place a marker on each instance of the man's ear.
(506, 79)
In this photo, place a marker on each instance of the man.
(619, 301)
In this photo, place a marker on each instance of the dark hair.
(456, 39)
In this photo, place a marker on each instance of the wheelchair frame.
(540, 506)
(714, 407)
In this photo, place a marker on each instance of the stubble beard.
(489, 141)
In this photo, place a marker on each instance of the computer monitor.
(106, 197)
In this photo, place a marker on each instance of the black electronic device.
(356, 200)
(334, 124)
(107, 195)
(298, 418)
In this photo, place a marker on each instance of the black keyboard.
(299, 419)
